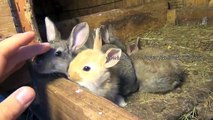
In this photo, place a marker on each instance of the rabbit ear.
(134, 47)
(104, 34)
(98, 41)
(79, 36)
(51, 30)
(113, 57)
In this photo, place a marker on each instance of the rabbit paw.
(120, 101)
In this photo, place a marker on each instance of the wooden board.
(66, 9)
(7, 27)
(178, 4)
(26, 17)
(195, 16)
(65, 103)
(211, 3)
(68, 101)
(125, 22)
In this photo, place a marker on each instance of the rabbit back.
(155, 73)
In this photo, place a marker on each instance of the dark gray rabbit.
(156, 75)
(126, 72)
(109, 38)
(57, 59)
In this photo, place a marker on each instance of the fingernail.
(30, 32)
(27, 32)
(24, 96)
(46, 46)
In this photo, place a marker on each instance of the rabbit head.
(133, 48)
(109, 38)
(90, 66)
(57, 59)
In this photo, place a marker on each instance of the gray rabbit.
(109, 38)
(57, 59)
(155, 73)
(128, 82)
(44, 67)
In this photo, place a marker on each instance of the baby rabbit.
(128, 82)
(57, 59)
(109, 38)
(91, 69)
(155, 75)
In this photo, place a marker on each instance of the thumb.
(16, 103)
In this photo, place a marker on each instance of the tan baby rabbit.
(156, 75)
(91, 68)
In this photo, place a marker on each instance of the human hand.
(14, 51)
(14, 105)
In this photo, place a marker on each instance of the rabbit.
(155, 75)
(91, 68)
(57, 59)
(110, 38)
(55, 62)
(128, 83)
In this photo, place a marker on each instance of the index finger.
(10, 45)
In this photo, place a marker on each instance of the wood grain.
(7, 27)
(126, 23)
(68, 101)
(26, 17)
(195, 15)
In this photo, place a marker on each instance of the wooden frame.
(66, 100)
(63, 99)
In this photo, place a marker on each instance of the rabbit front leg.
(119, 100)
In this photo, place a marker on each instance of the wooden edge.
(69, 101)
(26, 17)
(66, 100)
(7, 26)
(127, 22)
(195, 15)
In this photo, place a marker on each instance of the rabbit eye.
(58, 53)
(86, 68)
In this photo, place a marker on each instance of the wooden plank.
(7, 27)
(196, 3)
(126, 22)
(178, 4)
(171, 17)
(76, 8)
(211, 3)
(131, 3)
(26, 17)
(64, 102)
(68, 101)
(195, 15)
